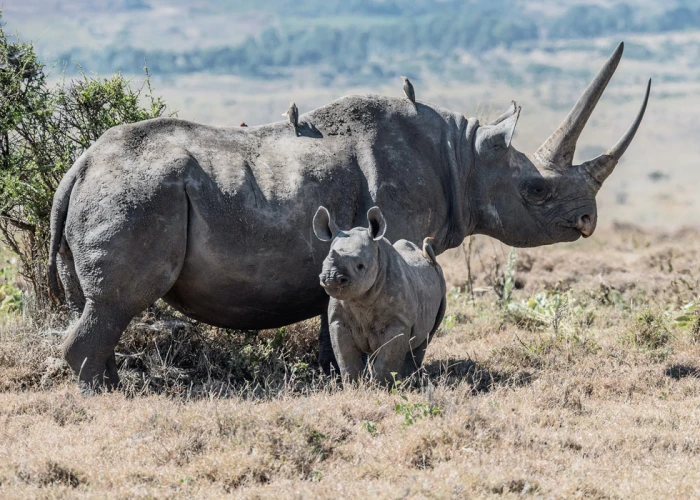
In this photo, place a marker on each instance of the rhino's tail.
(59, 210)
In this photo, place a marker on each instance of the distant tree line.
(344, 49)
(589, 21)
(425, 28)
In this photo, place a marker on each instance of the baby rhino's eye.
(360, 267)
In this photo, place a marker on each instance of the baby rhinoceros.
(386, 301)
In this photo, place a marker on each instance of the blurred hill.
(223, 62)
(351, 42)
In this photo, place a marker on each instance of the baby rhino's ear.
(377, 224)
(324, 227)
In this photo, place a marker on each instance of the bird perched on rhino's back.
(408, 89)
(292, 115)
(244, 124)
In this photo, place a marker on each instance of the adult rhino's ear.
(324, 227)
(492, 141)
(512, 109)
(377, 224)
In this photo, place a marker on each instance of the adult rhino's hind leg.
(89, 346)
(109, 307)
(126, 261)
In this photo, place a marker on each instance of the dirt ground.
(570, 371)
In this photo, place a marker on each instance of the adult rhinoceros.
(217, 221)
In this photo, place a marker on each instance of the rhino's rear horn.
(601, 167)
(557, 152)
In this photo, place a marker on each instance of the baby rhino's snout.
(333, 279)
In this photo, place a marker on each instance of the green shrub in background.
(10, 296)
(44, 128)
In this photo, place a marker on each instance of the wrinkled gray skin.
(217, 221)
(386, 301)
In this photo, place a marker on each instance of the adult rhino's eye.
(360, 267)
(537, 190)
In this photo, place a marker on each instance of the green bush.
(44, 128)
(10, 296)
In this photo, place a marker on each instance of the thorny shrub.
(44, 128)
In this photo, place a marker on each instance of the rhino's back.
(417, 269)
(383, 146)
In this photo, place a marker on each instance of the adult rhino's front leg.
(326, 357)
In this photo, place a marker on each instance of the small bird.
(292, 115)
(244, 124)
(408, 89)
(428, 251)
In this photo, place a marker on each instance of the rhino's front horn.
(601, 167)
(557, 152)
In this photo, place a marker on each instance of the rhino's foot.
(328, 363)
(106, 381)
(88, 389)
(89, 347)
(414, 361)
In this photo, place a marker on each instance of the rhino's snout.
(333, 280)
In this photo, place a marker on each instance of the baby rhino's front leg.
(390, 356)
(347, 354)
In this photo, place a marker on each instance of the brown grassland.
(570, 371)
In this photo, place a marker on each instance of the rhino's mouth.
(573, 233)
(333, 288)
(585, 226)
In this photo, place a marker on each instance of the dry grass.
(585, 385)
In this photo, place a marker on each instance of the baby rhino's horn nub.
(428, 251)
